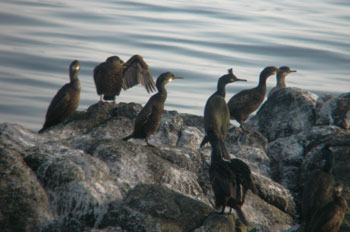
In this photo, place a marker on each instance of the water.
(199, 40)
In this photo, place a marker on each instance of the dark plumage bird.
(216, 113)
(224, 182)
(113, 75)
(330, 216)
(148, 120)
(318, 188)
(281, 78)
(66, 100)
(247, 101)
(243, 177)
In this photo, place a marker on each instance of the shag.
(281, 79)
(247, 101)
(224, 182)
(243, 177)
(113, 75)
(330, 216)
(216, 113)
(148, 120)
(66, 100)
(318, 188)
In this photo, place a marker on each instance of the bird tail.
(128, 137)
(224, 151)
(204, 141)
(41, 130)
(108, 98)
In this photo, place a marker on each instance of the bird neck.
(262, 81)
(281, 81)
(216, 152)
(73, 75)
(221, 89)
(328, 165)
(162, 90)
(215, 157)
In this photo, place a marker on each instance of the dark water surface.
(199, 40)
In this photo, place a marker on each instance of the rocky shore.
(80, 175)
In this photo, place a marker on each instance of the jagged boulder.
(288, 111)
(94, 181)
(331, 110)
(24, 205)
(150, 207)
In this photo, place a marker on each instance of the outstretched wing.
(137, 72)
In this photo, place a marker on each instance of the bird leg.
(229, 212)
(244, 194)
(148, 144)
(223, 210)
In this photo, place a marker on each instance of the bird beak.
(177, 78)
(293, 71)
(237, 79)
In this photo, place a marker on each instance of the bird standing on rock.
(281, 79)
(216, 113)
(330, 216)
(224, 181)
(247, 101)
(228, 178)
(113, 75)
(318, 188)
(66, 100)
(148, 120)
(243, 177)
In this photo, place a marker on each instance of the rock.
(94, 181)
(169, 129)
(218, 222)
(24, 204)
(156, 208)
(289, 111)
(190, 137)
(331, 110)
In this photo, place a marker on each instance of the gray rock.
(94, 181)
(24, 204)
(331, 110)
(288, 111)
(156, 208)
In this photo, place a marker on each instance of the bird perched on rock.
(216, 112)
(281, 79)
(223, 179)
(113, 75)
(148, 120)
(329, 217)
(247, 101)
(318, 188)
(243, 177)
(66, 100)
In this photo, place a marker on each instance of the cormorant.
(318, 188)
(113, 75)
(226, 188)
(247, 101)
(243, 177)
(330, 216)
(281, 79)
(148, 120)
(66, 100)
(216, 113)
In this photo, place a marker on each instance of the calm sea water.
(198, 39)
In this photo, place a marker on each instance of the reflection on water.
(199, 40)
